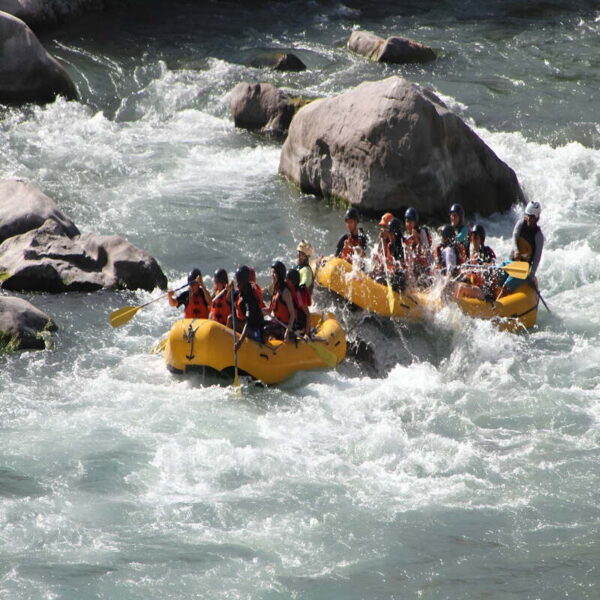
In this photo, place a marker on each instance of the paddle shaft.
(236, 381)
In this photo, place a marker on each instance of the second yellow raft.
(512, 312)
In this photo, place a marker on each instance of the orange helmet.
(385, 220)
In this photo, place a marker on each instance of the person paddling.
(302, 323)
(417, 247)
(482, 279)
(387, 261)
(196, 298)
(307, 278)
(354, 243)
(449, 254)
(457, 220)
(282, 308)
(220, 309)
(248, 309)
(528, 244)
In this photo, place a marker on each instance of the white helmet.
(533, 209)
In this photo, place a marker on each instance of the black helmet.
(220, 276)
(447, 232)
(351, 213)
(411, 214)
(294, 276)
(478, 230)
(395, 226)
(279, 269)
(458, 209)
(194, 274)
(242, 275)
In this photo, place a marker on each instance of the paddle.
(326, 355)
(123, 315)
(390, 291)
(537, 291)
(4, 276)
(517, 269)
(236, 379)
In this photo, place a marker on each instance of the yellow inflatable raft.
(194, 344)
(511, 313)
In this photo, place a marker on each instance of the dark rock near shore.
(394, 49)
(263, 107)
(45, 260)
(24, 207)
(27, 72)
(389, 144)
(278, 61)
(23, 326)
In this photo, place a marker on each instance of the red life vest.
(197, 307)
(350, 245)
(220, 309)
(279, 308)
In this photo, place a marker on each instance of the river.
(464, 465)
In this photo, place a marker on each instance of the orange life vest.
(220, 309)
(350, 245)
(239, 313)
(197, 307)
(279, 308)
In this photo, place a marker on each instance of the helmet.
(478, 230)
(294, 276)
(279, 269)
(395, 226)
(385, 219)
(194, 274)
(458, 209)
(242, 275)
(305, 247)
(351, 213)
(533, 209)
(411, 214)
(220, 276)
(447, 232)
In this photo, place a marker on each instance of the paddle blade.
(517, 269)
(390, 297)
(122, 315)
(159, 347)
(4, 276)
(328, 357)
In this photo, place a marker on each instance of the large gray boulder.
(263, 107)
(45, 260)
(43, 13)
(24, 207)
(23, 326)
(389, 144)
(394, 49)
(27, 72)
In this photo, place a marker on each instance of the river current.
(463, 464)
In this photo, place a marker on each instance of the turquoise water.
(462, 464)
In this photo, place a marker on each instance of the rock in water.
(27, 72)
(44, 13)
(24, 207)
(22, 325)
(262, 106)
(278, 61)
(389, 144)
(395, 49)
(44, 260)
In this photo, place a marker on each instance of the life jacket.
(482, 278)
(306, 290)
(526, 242)
(459, 252)
(280, 310)
(416, 251)
(197, 307)
(352, 242)
(220, 309)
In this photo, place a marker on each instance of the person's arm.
(340, 245)
(539, 246)
(177, 301)
(516, 234)
(206, 293)
(242, 337)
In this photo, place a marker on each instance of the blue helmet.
(411, 214)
